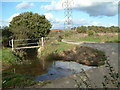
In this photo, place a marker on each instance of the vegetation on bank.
(16, 80)
(53, 48)
(80, 54)
(8, 57)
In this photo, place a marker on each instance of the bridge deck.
(27, 47)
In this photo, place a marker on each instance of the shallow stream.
(48, 69)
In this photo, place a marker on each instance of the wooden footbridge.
(15, 44)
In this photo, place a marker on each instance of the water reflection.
(48, 69)
(32, 65)
(61, 69)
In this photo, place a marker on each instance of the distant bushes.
(82, 29)
(91, 33)
(97, 29)
(59, 38)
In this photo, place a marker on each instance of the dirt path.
(96, 74)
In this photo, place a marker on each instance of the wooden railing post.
(12, 44)
(42, 41)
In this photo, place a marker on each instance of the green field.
(104, 38)
(74, 36)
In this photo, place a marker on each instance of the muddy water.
(48, 69)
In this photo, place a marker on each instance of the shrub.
(81, 29)
(59, 38)
(91, 33)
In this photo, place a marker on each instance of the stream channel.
(48, 69)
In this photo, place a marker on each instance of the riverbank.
(14, 64)
(52, 48)
(8, 58)
(95, 75)
(61, 81)
(13, 75)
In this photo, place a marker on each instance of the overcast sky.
(84, 12)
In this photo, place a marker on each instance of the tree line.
(97, 29)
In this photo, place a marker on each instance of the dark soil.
(83, 55)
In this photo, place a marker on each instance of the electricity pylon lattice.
(68, 23)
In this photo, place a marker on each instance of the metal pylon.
(67, 5)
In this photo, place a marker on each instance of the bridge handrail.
(25, 39)
(40, 42)
(26, 44)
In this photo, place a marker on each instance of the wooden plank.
(28, 47)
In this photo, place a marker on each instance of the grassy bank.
(12, 79)
(16, 80)
(8, 57)
(55, 47)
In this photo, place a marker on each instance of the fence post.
(42, 41)
(12, 44)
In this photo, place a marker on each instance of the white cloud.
(97, 8)
(85, 22)
(26, 0)
(4, 23)
(55, 5)
(92, 7)
(59, 23)
(10, 19)
(24, 5)
(49, 16)
(111, 24)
